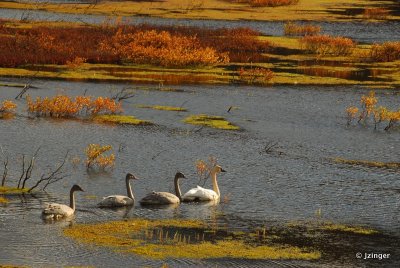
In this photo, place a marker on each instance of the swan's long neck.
(177, 188)
(215, 183)
(72, 199)
(129, 189)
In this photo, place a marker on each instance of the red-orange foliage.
(160, 48)
(268, 3)
(375, 13)
(64, 106)
(328, 45)
(388, 51)
(160, 45)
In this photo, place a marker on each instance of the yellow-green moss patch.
(12, 190)
(374, 164)
(147, 238)
(210, 121)
(163, 108)
(346, 228)
(120, 119)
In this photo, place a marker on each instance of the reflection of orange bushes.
(388, 51)
(256, 75)
(327, 45)
(268, 3)
(375, 13)
(160, 45)
(293, 29)
(65, 106)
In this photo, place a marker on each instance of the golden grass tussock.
(366, 163)
(120, 120)
(137, 236)
(212, 121)
(163, 108)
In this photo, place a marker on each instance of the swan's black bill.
(223, 170)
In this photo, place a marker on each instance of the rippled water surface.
(290, 184)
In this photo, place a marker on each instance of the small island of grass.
(120, 119)
(212, 121)
(163, 108)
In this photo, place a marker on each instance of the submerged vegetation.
(161, 239)
(212, 121)
(267, 3)
(365, 163)
(120, 119)
(164, 108)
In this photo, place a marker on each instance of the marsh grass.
(163, 108)
(365, 163)
(3, 200)
(212, 121)
(160, 239)
(120, 120)
(12, 190)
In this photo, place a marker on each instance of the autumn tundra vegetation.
(368, 111)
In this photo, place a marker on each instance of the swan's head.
(130, 176)
(218, 169)
(179, 175)
(76, 187)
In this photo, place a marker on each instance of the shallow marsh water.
(366, 32)
(265, 189)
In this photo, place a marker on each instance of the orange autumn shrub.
(95, 156)
(294, 29)
(160, 48)
(63, 106)
(368, 110)
(375, 13)
(7, 106)
(328, 45)
(388, 51)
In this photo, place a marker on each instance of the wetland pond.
(295, 193)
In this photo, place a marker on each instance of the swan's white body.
(55, 211)
(116, 201)
(201, 194)
(120, 200)
(164, 198)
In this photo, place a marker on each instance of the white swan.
(201, 194)
(164, 198)
(54, 211)
(120, 200)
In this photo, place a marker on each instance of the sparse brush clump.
(7, 109)
(369, 110)
(63, 106)
(327, 45)
(294, 29)
(268, 3)
(388, 51)
(96, 157)
(375, 13)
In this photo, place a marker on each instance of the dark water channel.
(365, 32)
(273, 189)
